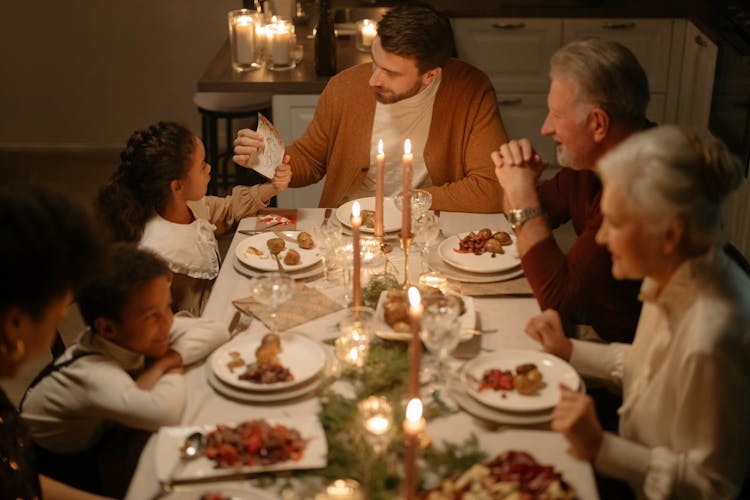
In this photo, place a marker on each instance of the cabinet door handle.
(619, 26)
(509, 26)
(510, 102)
(701, 41)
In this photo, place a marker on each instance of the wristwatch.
(519, 216)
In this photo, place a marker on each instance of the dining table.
(502, 316)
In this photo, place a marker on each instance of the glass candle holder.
(280, 45)
(243, 40)
(367, 30)
(342, 489)
(376, 414)
(355, 332)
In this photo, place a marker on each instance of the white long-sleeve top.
(685, 419)
(68, 410)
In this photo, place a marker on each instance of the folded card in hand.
(273, 152)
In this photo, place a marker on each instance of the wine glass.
(421, 201)
(326, 237)
(426, 229)
(273, 289)
(440, 332)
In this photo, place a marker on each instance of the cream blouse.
(192, 249)
(685, 418)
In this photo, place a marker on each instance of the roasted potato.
(292, 257)
(304, 240)
(275, 245)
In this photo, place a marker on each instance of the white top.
(394, 123)
(68, 411)
(685, 418)
(192, 249)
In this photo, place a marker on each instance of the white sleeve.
(196, 338)
(601, 361)
(710, 438)
(115, 395)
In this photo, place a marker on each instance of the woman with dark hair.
(49, 247)
(685, 419)
(157, 198)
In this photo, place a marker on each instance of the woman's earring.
(14, 353)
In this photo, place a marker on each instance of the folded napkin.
(305, 305)
(518, 287)
(283, 219)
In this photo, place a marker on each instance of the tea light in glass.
(356, 330)
(243, 39)
(376, 413)
(367, 30)
(281, 44)
(342, 489)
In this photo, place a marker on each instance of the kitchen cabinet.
(291, 115)
(697, 82)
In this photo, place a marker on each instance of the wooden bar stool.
(228, 106)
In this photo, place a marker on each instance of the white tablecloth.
(508, 315)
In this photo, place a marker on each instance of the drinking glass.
(440, 331)
(355, 332)
(421, 201)
(426, 229)
(326, 237)
(273, 289)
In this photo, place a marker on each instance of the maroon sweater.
(580, 284)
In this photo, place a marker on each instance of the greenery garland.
(349, 453)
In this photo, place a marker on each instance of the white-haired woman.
(685, 419)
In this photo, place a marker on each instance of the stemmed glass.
(420, 202)
(426, 229)
(273, 289)
(326, 237)
(440, 332)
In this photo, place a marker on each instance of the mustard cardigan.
(466, 127)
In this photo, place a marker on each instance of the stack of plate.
(470, 268)
(307, 360)
(511, 407)
(391, 215)
(253, 259)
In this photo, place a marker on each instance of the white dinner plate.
(436, 263)
(554, 371)
(477, 409)
(303, 356)
(169, 440)
(269, 398)
(391, 214)
(484, 263)
(250, 272)
(467, 321)
(232, 492)
(265, 261)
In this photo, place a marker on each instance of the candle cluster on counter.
(408, 165)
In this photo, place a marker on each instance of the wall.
(86, 73)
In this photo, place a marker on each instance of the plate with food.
(255, 445)
(513, 473)
(270, 362)
(482, 251)
(518, 380)
(220, 492)
(392, 313)
(391, 214)
(296, 250)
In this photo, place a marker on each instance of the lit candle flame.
(355, 209)
(380, 146)
(414, 409)
(415, 300)
(407, 147)
(378, 424)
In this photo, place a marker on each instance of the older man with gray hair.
(598, 96)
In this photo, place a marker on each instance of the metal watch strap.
(519, 217)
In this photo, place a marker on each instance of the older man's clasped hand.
(519, 184)
(574, 415)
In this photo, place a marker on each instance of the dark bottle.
(325, 42)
